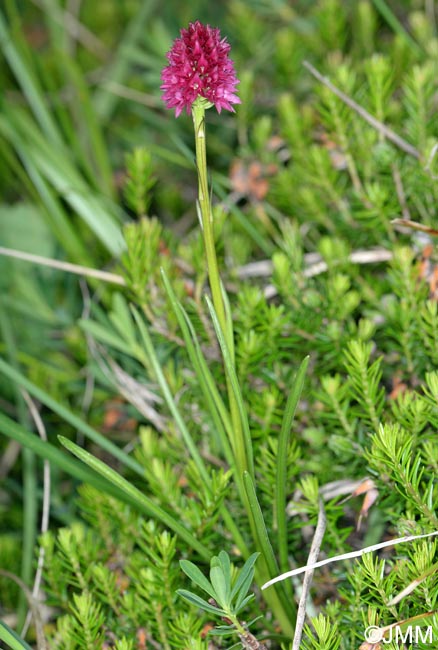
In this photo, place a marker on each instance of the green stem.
(206, 217)
(220, 312)
(281, 478)
(198, 113)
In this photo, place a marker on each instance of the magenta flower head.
(199, 66)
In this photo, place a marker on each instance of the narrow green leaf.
(89, 122)
(196, 575)
(11, 638)
(281, 477)
(246, 461)
(70, 417)
(27, 83)
(200, 602)
(190, 444)
(241, 604)
(229, 334)
(261, 530)
(54, 211)
(101, 215)
(392, 20)
(244, 572)
(104, 101)
(246, 224)
(102, 334)
(48, 452)
(243, 591)
(223, 631)
(143, 503)
(216, 406)
(29, 474)
(264, 543)
(121, 318)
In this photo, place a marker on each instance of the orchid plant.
(200, 75)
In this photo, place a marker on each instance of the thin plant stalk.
(206, 217)
(198, 113)
(283, 444)
(223, 324)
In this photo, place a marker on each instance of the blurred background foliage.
(94, 171)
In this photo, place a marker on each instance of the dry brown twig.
(348, 556)
(265, 267)
(249, 642)
(398, 182)
(136, 393)
(39, 424)
(430, 160)
(35, 607)
(414, 225)
(112, 278)
(308, 576)
(379, 126)
(313, 263)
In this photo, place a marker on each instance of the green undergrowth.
(335, 327)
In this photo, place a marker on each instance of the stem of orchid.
(238, 444)
(206, 218)
(198, 113)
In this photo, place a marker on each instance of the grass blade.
(263, 242)
(111, 483)
(55, 213)
(70, 417)
(216, 406)
(27, 82)
(11, 638)
(392, 20)
(287, 609)
(30, 494)
(190, 444)
(243, 446)
(47, 451)
(264, 543)
(283, 443)
(143, 503)
(104, 101)
(89, 122)
(99, 214)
